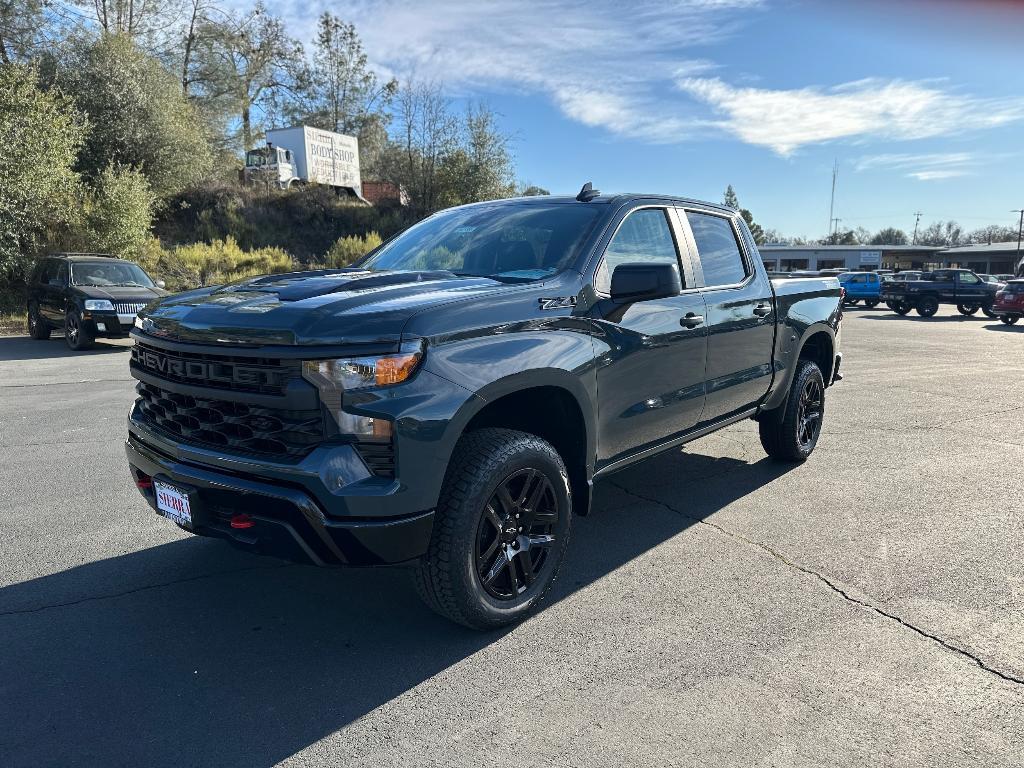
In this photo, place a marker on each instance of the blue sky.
(920, 102)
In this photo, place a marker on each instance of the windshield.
(511, 242)
(108, 273)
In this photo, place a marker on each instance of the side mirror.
(642, 282)
(161, 284)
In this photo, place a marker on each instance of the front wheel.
(967, 309)
(76, 335)
(500, 531)
(900, 308)
(38, 328)
(792, 434)
(1009, 319)
(927, 306)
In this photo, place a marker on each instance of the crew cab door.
(970, 289)
(651, 354)
(740, 314)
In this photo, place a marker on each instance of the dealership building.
(786, 258)
(993, 259)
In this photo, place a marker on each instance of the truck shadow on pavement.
(14, 348)
(190, 653)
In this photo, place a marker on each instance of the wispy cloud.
(633, 70)
(785, 120)
(926, 167)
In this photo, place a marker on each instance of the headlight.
(332, 377)
(98, 304)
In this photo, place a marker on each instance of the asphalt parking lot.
(866, 608)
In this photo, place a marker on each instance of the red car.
(1009, 304)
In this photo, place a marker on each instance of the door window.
(720, 254)
(62, 274)
(645, 235)
(968, 279)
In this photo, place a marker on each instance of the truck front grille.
(267, 376)
(236, 427)
(128, 308)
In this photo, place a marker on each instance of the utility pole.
(832, 202)
(917, 218)
(1020, 231)
(834, 237)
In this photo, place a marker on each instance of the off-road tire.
(76, 335)
(870, 303)
(927, 306)
(780, 437)
(1009, 319)
(900, 308)
(447, 576)
(987, 311)
(38, 328)
(967, 309)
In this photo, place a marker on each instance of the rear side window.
(645, 235)
(720, 255)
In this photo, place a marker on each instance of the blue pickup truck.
(862, 286)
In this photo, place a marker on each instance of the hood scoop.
(297, 286)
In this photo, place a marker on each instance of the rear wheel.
(927, 306)
(792, 434)
(900, 308)
(987, 311)
(500, 531)
(38, 328)
(870, 303)
(76, 335)
(967, 309)
(1009, 319)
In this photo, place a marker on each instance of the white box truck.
(304, 155)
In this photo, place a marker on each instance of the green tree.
(138, 115)
(889, 236)
(480, 168)
(730, 199)
(118, 212)
(344, 94)
(37, 181)
(531, 190)
(20, 22)
(245, 62)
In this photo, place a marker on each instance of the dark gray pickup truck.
(448, 402)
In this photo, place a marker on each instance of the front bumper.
(108, 324)
(289, 521)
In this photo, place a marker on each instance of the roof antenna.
(588, 193)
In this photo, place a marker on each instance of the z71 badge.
(558, 302)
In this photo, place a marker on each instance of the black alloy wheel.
(1009, 319)
(900, 308)
(870, 303)
(927, 306)
(987, 311)
(37, 327)
(516, 534)
(967, 309)
(76, 335)
(809, 413)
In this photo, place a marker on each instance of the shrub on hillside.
(347, 250)
(222, 261)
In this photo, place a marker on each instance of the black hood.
(132, 294)
(309, 308)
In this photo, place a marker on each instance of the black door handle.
(762, 309)
(691, 320)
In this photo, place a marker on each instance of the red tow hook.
(242, 520)
(144, 482)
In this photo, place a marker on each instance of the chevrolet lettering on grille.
(209, 372)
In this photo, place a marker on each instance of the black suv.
(88, 295)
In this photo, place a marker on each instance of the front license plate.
(173, 503)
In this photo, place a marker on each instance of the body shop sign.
(333, 159)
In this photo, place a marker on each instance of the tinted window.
(720, 255)
(645, 235)
(506, 241)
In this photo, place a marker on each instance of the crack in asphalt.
(112, 595)
(976, 660)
